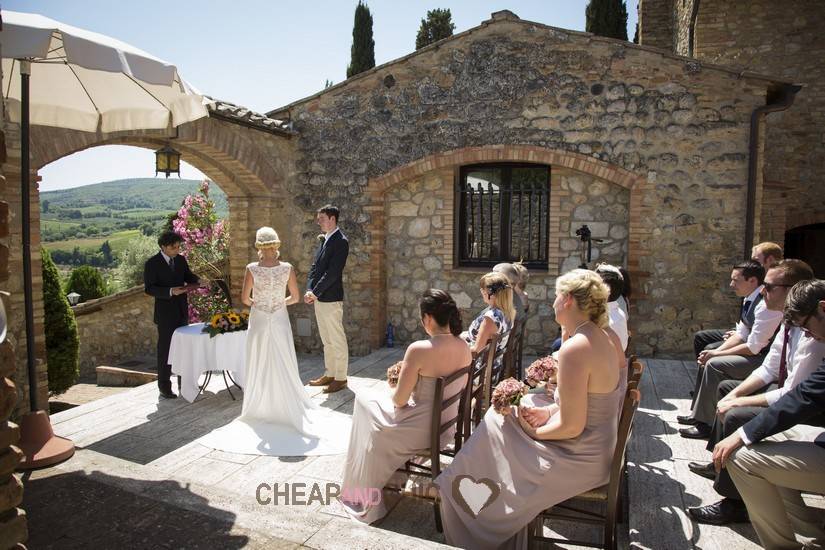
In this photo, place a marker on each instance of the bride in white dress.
(278, 417)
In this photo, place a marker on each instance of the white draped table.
(194, 352)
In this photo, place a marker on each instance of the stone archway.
(377, 188)
(250, 163)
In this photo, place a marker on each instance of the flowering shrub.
(206, 247)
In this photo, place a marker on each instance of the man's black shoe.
(168, 394)
(703, 469)
(727, 510)
(686, 419)
(699, 431)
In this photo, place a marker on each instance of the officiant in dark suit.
(325, 290)
(167, 278)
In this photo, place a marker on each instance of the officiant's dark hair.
(329, 210)
(168, 238)
(443, 309)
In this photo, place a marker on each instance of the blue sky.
(257, 53)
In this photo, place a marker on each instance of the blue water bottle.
(390, 336)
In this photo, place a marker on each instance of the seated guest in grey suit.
(792, 358)
(770, 475)
(740, 354)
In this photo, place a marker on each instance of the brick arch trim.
(638, 185)
(508, 153)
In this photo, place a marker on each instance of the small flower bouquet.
(393, 373)
(230, 321)
(508, 392)
(542, 370)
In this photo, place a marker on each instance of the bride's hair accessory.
(266, 237)
(609, 268)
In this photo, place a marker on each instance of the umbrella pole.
(37, 440)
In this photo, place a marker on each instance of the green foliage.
(636, 34)
(86, 281)
(437, 26)
(327, 83)
(62, 344)
(607, 18)
(106, 250)
(362, 53)
(129, 271)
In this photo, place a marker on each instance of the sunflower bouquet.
(230, 321)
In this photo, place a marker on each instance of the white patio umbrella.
(87, 81)
(59, 75)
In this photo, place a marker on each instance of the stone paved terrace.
(139, 479)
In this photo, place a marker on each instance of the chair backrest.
(631, 403)
(479, 385)
(634, 373)
(438, 424)
(513, 343)
(630, 361)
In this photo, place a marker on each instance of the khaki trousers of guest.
(330, 317)
(770, 476)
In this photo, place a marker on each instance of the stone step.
(117, 376)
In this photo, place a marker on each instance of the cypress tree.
(437, 26)
(607, 18)
(62, 344)
(362, 53)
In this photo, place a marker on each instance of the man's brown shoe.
(336, 385)
(323, 381)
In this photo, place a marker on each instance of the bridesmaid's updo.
(589, 292)
(441, 306)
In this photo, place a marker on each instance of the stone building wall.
(13, 525)
(512, 90)
(418, 211)
(115, 328)
(785, 41)
(656, 23)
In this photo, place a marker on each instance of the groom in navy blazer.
(770, 475)
(167, 278)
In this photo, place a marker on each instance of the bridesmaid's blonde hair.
(499, 286)
(266, 237)
(589, 292)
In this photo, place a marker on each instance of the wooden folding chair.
(430, 466)
(511, 349)
(479, 387)
(635, 369)
(608, 495)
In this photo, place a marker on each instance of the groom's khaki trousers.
(770, 476)
(330, 317)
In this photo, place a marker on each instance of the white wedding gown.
(278, 417)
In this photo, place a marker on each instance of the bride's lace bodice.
(269, 288)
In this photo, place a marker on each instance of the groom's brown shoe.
(336, 385)
(323, 381)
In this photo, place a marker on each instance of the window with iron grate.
(503, 214)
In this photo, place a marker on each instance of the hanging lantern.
(167, 161)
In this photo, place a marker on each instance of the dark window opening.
(503, 215)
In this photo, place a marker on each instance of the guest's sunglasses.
(770, 286)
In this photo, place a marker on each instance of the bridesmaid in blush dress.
(389, 427)
(540, 456)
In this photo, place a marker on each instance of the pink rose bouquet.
(508, 392)
(393, 373)
(542, 370)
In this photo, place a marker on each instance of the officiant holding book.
(167, 278)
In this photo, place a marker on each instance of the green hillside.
(74, 223)
(102, 209)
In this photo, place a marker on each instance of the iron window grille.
(503, 215)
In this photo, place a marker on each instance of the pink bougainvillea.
(206, 247)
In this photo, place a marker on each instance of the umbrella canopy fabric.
(86, 81)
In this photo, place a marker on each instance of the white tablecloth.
(193, 353)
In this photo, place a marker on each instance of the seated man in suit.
(792, 358)
(768, 254)
(770, 475)
(167, 278)
(739, 355)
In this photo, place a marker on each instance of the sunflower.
(215, 320)
(234, 318)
